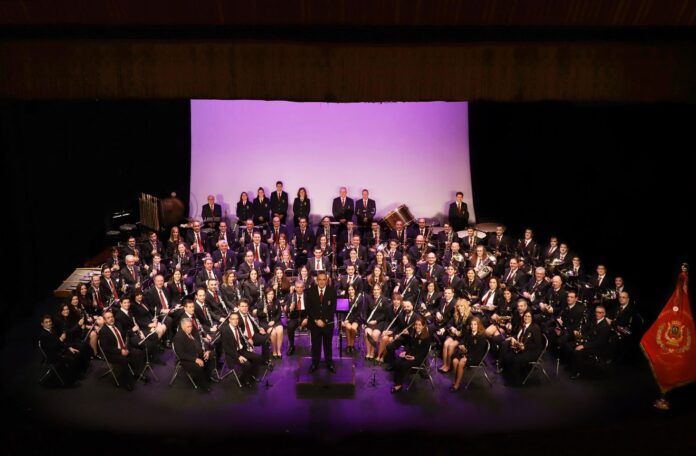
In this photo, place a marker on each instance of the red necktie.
(99, 299)
(198, 241)
(121, 345)
(113, 289)
(215, 296)
(162, 300)
(248, 326)
(256, 249)
(299, 302)
(195, 323)
(459, 208)
(321, 296)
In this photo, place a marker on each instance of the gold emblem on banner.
(673, 337)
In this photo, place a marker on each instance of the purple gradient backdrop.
(412, 153)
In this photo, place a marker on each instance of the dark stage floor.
(156, 414)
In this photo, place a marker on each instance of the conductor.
(321, 306)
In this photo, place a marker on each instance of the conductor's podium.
(322, 383)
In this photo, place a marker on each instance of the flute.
(355, 303)
(397, 316)
(379, 303)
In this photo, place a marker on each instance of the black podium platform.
(322, 383)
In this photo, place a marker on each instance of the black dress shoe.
(331, 368)
(291, 351)
(313, 368)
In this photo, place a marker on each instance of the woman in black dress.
(253, 287)
(375, 314)
(177, 288)
(416, 347)
(244, 211)
(268, 312)
(300, 207)
(470, 351)
(353, 318)
(456, 328)
(230, 289)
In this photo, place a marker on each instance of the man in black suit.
(224, 259)
(501, 246)
(458, 213)
(304, 239)
(207, 273)
(514, 278)
(595, 344)
(318, 262)
(470, 241)
(119, 353)
(239, 351)
(343, 208)
(211, 213)
(246, 266)
(67, 360)
(131, 248)
(198, 362)
(365, 210)
(275, 229)
(258, 249)
(253, 332)
(409, 287)
(296, 310)
(518, 351)
(152, 247)
(528, 248)
(430, 270)
(279, 203)
(196, 238)
(321, 306)
(399, 233)
(224, 233)
(445, 238)
(345, 235)
(131, 274)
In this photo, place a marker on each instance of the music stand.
(147, 359)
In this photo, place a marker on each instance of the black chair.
(424, 369)
(48, 368)
(177, 368)
(480, 368)
(538, 365)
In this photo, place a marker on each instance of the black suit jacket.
(191, 239)
(230, 341)
(321, 310)
(215, 212)
(365, 214)
(186, 349)
(244, 212)
(279, 206)
(304, 242)
(261, 210)
(343, 212)
(300, 208)
(457, 219)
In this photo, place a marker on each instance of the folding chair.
(424, 368)
(177, 368)
(109, 367)
(230, 371)
(480, 368)
(48, 368)
(538, 364)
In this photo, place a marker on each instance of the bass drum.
(400, 213)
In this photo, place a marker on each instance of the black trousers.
(322, 337)
(293, 324)
(515, 365)
(251, 367)
(401, 368)
(201, 375)
(136, 359)
(262, 341)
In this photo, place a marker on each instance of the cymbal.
(488, 227)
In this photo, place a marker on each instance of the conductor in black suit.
(458, 213)
(321, 306)
(343, 208)
(211, 213)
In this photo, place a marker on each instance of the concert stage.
(280, 416)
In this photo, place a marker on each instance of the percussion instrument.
(79, 275)
(400, 213)
(488, 227)
(479, 234)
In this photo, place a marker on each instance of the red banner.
(669, 343)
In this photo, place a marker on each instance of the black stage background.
(615, 181)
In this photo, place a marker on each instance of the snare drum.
(400, 213)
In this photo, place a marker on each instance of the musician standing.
(321, 306)
(458, 213)
(211, 213)
(365, 210)
(343, 208)
(279, 203)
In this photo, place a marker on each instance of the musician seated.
(443, 314)
(392, 255)
(563, 257)
(178, 289)
(491, 299)
(248, 265)
(471, 287)
(392, 314)
(146, 317)
(70, 362)
(445, 238)
(98, 295)
(197, 361)
(535, 290)
(482, 262)
(451, 279)
(246, 233)
(318, 262)
(112, 285)
(119, 352)
(430, 302)
(454, 332)
(252, 330)
(280, 284)
(551, 251)
(378, 276)
(303, 239)
(470, 241)
(114, 261)
(375, 320)
(592, 347)
(156, 267)
(182, 260)
(215, 303)
(157, 297)
(399, 233)
(207, 273)
(418, 252)
(285, 262)
(268, 312)
(223, 258)
(357, 246)
(416, 347)
(326, 229)
(351, 278)
(275, 230)
(296, 310)
(324, 245)
(500, 320)
(569, 325)
(239, 351)
(71, 320)
(400, 328)
(513, 277)
(224, 233)
(409, 287)
(354, 261)
(430, 270)
(622, 324)
(131, 248)
(469, 352)
(125, 318)
(196, 238)
(528, 248)
(152, 247)
(374, 237)
(518, 351)
(231, 289)
(354, 317)
(259, 249)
